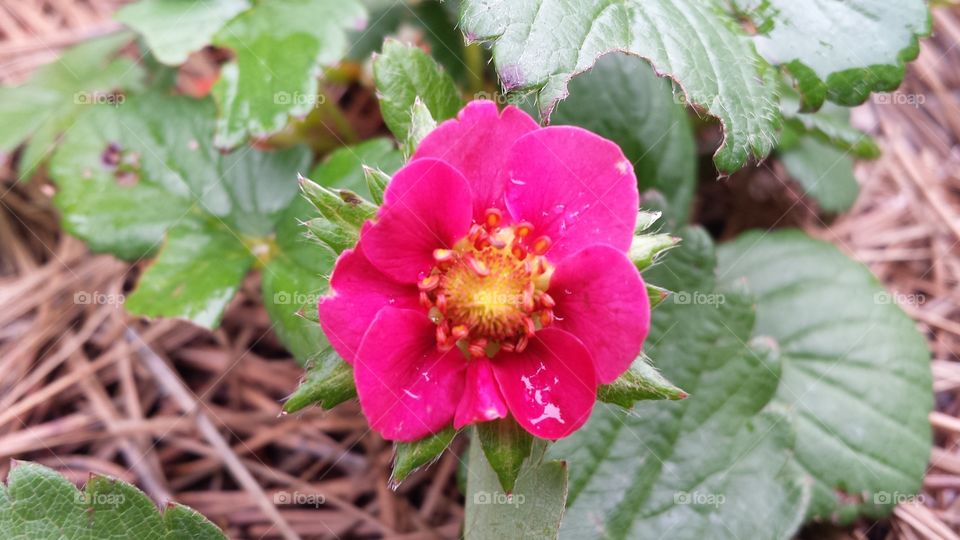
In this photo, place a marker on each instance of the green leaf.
(197, 273)
(343, 168)
(404, 73)
(534, 508)
(39, 504)
(174, 29)
(328, 382)
(280, 48)
(831, 124)
(856, 371)
(85, 77)
(411, 456)
(641, 382)
(622, 99)
(539, 45)
(825, 173)
(720, 456)
(842, 50)
(125, 175)
(506, 445)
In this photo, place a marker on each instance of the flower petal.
(426, 207)
(476, 143)
(408, 389)
(481, 400)
(550, 387)
(357, 292)
(573, 186)
(602, 300)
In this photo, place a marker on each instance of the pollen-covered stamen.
(487, 293)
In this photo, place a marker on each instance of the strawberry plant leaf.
(39, 504)
(173, 30)
(699, 461)
(831, 125)
(404, 73)
(84, 77)
(280, 48)
(622, 99)
(840, 50)
(856, 372)
(539, 45)
(825, 173)
(195, 275)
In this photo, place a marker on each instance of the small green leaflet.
(39, 504)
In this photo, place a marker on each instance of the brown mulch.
(193, 416)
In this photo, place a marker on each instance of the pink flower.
(494, 280)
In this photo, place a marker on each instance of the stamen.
(547, 301)
(460, 331)
(429, 283)
(493, 218)
(478, 267)
(530, 326)
(425, 300)
(478, 348)
(443, 255)
(522, 343)
(540, 245)
(546, 318)
(441, 302)
(526, 302)
(523, 229)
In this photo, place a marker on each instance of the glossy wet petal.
(601, 298)
(575, 187)
(426, 206)
(408, 389)
(550, 387)
(481, 400)
(358, 291)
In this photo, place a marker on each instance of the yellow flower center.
(489, 291)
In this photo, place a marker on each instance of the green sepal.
(506, 446)
(639, 383)
(421, 124)
(656, 295)
(328, 382)
(377, 181)
(330, 234)
(408, 457)
(645, 248)
(645, 220)
(340, 206)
